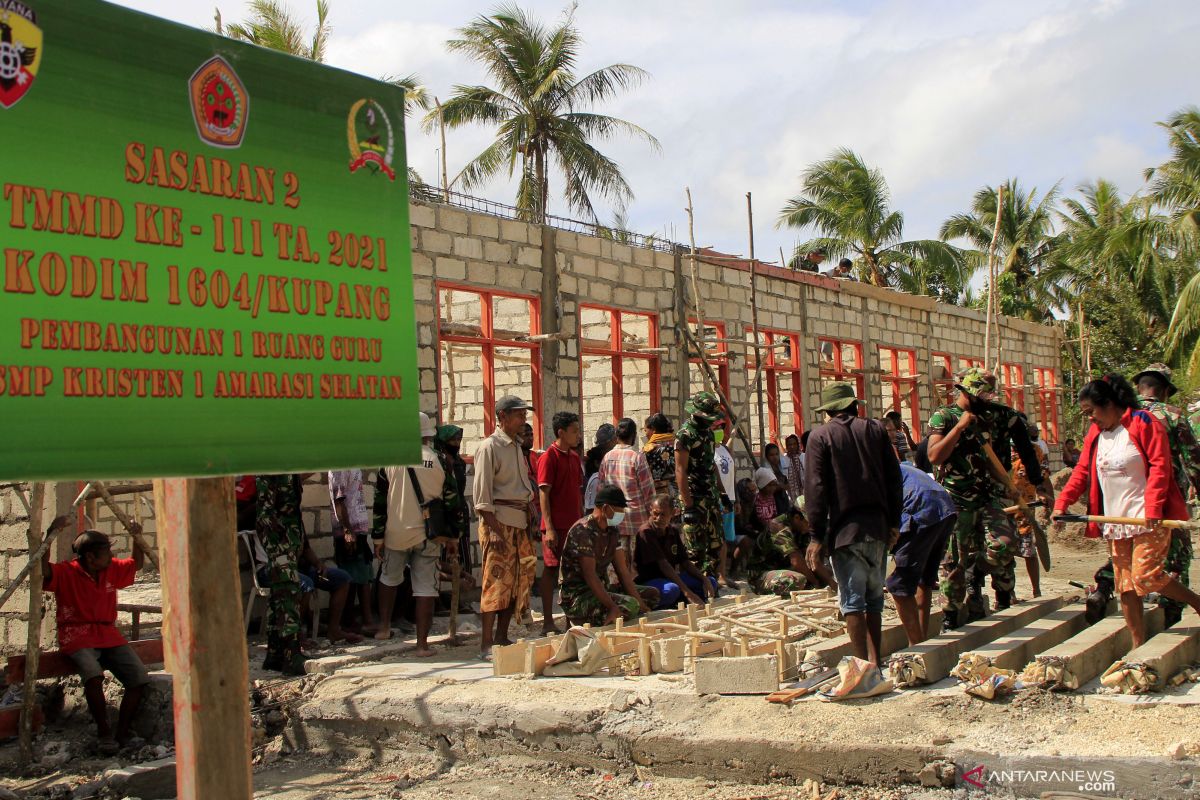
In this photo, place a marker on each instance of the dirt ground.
(416, 775)
(1037, 722)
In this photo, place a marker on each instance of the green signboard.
(206, 256)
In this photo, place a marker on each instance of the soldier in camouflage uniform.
(591, 546)
(1154, 387)
(776, 563)
(699, 484)
(281, 532)
(984, 540)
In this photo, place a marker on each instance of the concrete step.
(932, 660)
(1087, 654)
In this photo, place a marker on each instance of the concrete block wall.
(14, 555)
(544, 280)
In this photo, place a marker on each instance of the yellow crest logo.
(20, 51)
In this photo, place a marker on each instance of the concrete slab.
(153, 780)
(1087, 654)
(932, 660)
(1149, 667)
(740, 675)
(1014, 650)
(829, 653)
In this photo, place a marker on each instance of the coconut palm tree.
(1175, 189)
(846, 203)
(272, 25)
(537, 108)
(1024, 247)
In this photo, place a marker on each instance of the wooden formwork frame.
(745, 625)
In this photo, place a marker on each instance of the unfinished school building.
(575, 321)
(581, 322)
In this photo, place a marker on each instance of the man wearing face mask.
(594, 543)
(699, 486)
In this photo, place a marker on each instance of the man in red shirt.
(86, 590)
(560, 491)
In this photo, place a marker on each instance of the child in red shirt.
(86, 590)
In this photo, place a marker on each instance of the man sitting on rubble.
(86, 591)
(662, 561)
(594, 543)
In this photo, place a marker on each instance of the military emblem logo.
(20, 51)
(372, 144)
(220, 103)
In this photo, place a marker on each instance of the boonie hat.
(975, 381)
(837, 397)
(705, 405)
(1162, 371)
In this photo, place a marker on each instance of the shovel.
(1039, 535)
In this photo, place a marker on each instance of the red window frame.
(896, 386)
(779, 374)
(1014, 385)
(618, 354)
(1047, 400)
(967, 362)
(943, 386)
(487, 342)
(838, 371)
(719, 360)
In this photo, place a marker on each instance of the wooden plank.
(54, 664)
(204, 641)
(33, 636)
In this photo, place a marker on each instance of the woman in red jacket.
(1125, 468)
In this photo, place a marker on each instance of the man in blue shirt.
(925, 526)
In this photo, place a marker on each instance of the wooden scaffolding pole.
(204, 642)
(697, 303)
(758, 350)
(993, 302)
(33, 636)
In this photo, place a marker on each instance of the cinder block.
(467, 247)
(746, 675)
(420, 216)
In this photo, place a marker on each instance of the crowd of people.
(654, 516)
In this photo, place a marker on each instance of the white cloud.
(944, 98)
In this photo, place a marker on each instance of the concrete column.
(871, 383)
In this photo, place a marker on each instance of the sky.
(943, 97)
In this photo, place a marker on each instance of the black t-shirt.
(652, 546)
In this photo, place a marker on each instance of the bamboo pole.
(758, 353)
(697, 303)
(442, 133)
(33, 636)
(125, 521)
(993, 302)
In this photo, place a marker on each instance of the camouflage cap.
(975, 381)
(1162, 371)
(706, 406)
